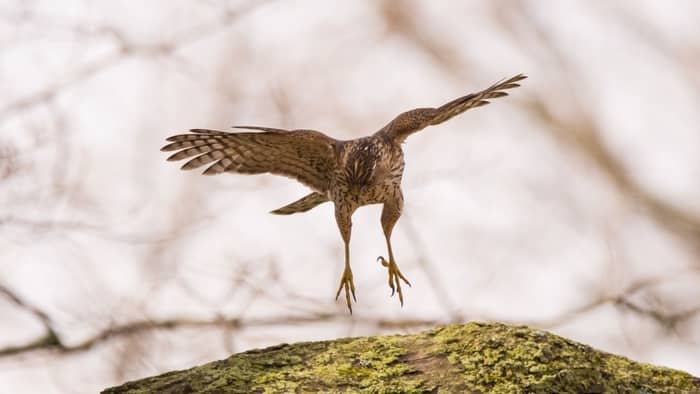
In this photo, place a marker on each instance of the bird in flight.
(351, 174)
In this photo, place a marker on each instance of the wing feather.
(417, 119)
(305, 155)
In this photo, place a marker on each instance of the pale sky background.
(554, 207)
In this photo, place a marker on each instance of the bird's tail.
(302, 205)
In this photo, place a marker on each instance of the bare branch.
(53, 343)
(124, 50)
(579, 131)
(433, 278)
(583, 135)
(669, 320)
(403, 19)
(48, 339)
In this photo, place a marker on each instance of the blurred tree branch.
(582, 135)
(622, 299)
(578, 130)
(49, 338)
(104, 232)
(52, 342)
(125, 49)
(405, 20)
(426, 265)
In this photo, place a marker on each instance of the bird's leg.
(394, 272)
(346, 282)
(390, 214)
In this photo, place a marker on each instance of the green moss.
(365, 363)
(496, 358)
(475, 357)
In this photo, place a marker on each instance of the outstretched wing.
(305, 155)
(411, 121)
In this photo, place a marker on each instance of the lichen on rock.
(474, 357)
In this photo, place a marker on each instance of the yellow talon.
(394, 276)
(347, 283)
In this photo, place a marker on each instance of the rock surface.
(469, 358)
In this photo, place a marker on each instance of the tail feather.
(302, 205)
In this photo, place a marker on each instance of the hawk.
(350, 174)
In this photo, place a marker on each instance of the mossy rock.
(469, 358)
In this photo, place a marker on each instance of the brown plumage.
(351, 173)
